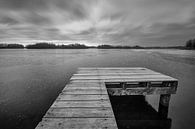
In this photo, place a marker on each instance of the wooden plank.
(95, 83)
(86, 84)
(115, 74)
(88, 91)
(95, 86)
(127, 79)
(63, 96)
(72, 83)
(121, 75)
(118, 77)
(79, 112)
(115, 71)
(139, 80)
(84, 88)
(87, 104)
(77, 123)
(99, 68)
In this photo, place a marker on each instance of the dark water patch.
(134, 112)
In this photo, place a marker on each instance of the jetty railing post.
(164, 105)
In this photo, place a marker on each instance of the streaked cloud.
(126, 22)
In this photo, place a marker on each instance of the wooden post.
(164, 105)
(123, 88)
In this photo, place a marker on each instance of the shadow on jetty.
(133, 112)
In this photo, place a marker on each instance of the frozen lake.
(30, 80)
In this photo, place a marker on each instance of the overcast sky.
(118, 22)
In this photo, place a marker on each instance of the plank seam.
(80, 117)
(83, 100)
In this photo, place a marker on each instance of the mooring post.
(164, 105)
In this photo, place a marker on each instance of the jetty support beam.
(164, 105)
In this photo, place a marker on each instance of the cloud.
(127, 22)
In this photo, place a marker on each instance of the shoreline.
(106, 48)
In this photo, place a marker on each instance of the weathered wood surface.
(81, 105)
(128, 80)
(84, 102)
(77, 123)
(105, 77)
(79, 112)
(79, 97)
(141, 91)
(87, 91)
(113, 71)
(111, 68)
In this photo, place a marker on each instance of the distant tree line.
(190, 44)
(41, 46)
(138, 47)
(11, 46)
(118, 47)
(53, 46)
(73, 46)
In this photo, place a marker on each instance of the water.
(30, 80)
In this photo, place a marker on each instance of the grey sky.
(119, 22)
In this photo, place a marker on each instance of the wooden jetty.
(84, 102)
